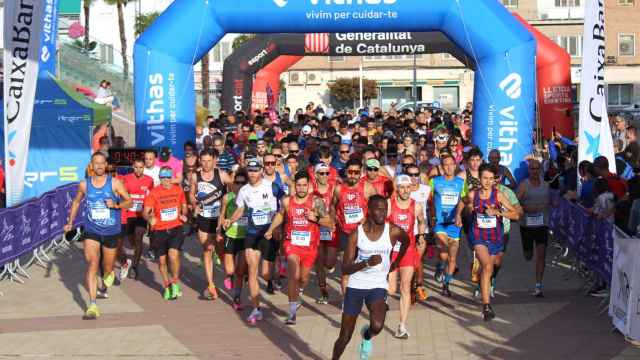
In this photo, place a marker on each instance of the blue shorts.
(494, 247)
(354, 298)
(451, 230)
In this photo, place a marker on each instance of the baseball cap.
(321, 166)
(306, 129)
(403, 180)
(373, 163)
(254, 165)
(165, 173)
(389, 134)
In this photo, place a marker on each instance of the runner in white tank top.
(367, 261)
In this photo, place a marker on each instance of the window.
(620, 94)
(221, 51)
(567, 3)
(336, 58)
(510, 3)
(626, 44)
(571, 43)
(391, 57)
(625, 2)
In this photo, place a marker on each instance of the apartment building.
(442, 78)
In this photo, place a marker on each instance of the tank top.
(536, 196)
(352, 207)
(374, 277)
(283, 185)
(325, 233)
(403, 218)
(99, 219)
(421, 196)
(486, 228)
(383, 185)
(237, 230)
(299, 231)
(209, 194)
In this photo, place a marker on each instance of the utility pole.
(414, 89)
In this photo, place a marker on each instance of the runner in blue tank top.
(488, 206)
(448, 191)
(105, 196)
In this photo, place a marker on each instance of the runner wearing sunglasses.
(329, 244)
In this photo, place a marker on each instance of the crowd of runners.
(369, 196)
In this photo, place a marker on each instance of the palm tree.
(87, 11)
(120, 4)
(204, 74)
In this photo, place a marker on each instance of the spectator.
(604, 204)
(615, 184)
(166, 159)
(620, 131)
(103, 94)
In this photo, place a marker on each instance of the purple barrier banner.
(589, 237)
(26, 221)
(7, 236)
(47, 217)
(65, 195)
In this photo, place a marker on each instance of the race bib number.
(487, 222)
(301, 238)
(243, 221)
(102, 213)
(353, 215)
(211, 210)
(137, 205)
(325, 235)
(169, 214)
(397, 246)
(260, 218)
(371, 269)
(535, 219)
(450, 198)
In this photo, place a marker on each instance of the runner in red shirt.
(403, 212)
(328, 248)
(134, 225)
(304, 212)
(382, 184)
(324, 155)
(166, 210)
(350, 203)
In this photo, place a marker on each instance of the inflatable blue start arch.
(503, 51)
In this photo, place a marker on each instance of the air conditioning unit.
(612, 60)
(314, 78)
(297, 78)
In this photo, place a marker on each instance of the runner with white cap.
(329, 244)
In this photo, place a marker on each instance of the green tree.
(348, 89)
(120, 4)
(204, 78)
(86, 7)
(201, 116)
(241, 39)
(143, 21)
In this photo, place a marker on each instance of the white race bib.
(487, 222)
(353, 215)
(535, 219)
(325, 234)
(397, 246)
(169, 214)
(211, 211)
(450, 198)
(260, 218)
(100, 213)
(137, 205)
(300, 238)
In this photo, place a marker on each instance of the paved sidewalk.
(42, 320)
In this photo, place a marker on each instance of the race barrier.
(624, 302)
(34, 227)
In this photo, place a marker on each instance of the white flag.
(594, 130)
(22, 27)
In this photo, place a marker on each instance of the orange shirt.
(167, 206)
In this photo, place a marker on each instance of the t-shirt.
(616, 186)
(260, 203)
(138, 189)
(167, 205)
(153, 173)
(513, 200)
(446, 195)
(174, 163)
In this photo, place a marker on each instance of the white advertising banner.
(22, 28)
(624, 305)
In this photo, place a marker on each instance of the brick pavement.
(42, 319)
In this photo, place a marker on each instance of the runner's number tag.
(260, 218)
(169, 214)
(211, 210)
(535, 219)
(325, 234)
(487, 222)
(300, 238)
(353, 215)
(450, 198)
(137, 205)
(101, 213)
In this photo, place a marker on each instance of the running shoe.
(401, 333)
(167, 293)
(255, 316)
(270, 290)
(487, 312)
(492, 289)
(102, 293)
(476, 292)
(92, 312)
(445, 290)
(151, 255)
(323, 299)
(421, 293)
(228, 282)
(133, 273)
(237, 304)
(537, 292)
(291, 320)
(109, 279)
(277, 284)
(124, 269)
(366, 346)
(176, 291)
(210, 293)
(439, 274)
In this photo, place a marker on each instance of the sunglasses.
(239, 182)
(344, 152)
(323, 173)
(279, 156)
(413, 174)
(405, 165)
(294, 151)
(353, 172)
(269, 163)
(442, 138)
(372, 169)
(165, 177)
